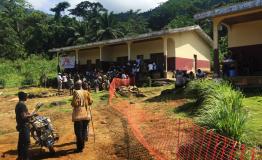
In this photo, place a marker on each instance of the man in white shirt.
(64, 79)
(150, 69)
(59, 82)
(124, 76)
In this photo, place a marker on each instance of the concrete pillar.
(216, 49)
(165, 56)
(101, 57)
(76, 55)
(58, 62)
(129, 50)
(76, 59)
(101, 53)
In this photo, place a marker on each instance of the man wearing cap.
(80, 115)
(22, 127)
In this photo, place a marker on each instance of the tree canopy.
(25, 31)
(60, 7)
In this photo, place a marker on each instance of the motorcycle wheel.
(51, 149)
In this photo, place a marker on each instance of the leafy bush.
(220, 107)
(198, 90)
(26, 71)
(29, 79)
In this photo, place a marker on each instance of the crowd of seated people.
(182, 77)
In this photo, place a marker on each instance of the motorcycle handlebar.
(37, 107)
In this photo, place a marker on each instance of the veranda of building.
(185, 48)
(244, 25)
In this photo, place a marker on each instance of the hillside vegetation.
(28, 71)
(25, 31)
(26, 34)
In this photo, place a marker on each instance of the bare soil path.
(113, 138)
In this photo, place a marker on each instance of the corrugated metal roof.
(138, 38)
(230, 9)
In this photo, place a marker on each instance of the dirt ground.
(113, 139)
(132, 128)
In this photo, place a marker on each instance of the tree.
(80, 35)
(37, 32)
(25, 31)
(133, 24)
(181, 21)
(88, 10)
(11, 28)
(107, 27)
(60, 7)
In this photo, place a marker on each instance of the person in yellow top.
(81, 115)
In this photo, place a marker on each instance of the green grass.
(252, 103)
(254, 125)
(185, 110)
(219, 107)
(101, 97)
(14, 90)
(22, 71)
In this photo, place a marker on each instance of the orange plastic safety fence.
(117, 82)
(166, 138)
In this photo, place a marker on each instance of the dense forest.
(25, 31)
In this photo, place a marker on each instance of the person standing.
(154, 67)
(59, 82)
(22, 116)
(150, 69)
(64, 80)
(80, 115)
(70, 84)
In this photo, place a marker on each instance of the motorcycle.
(42, 130)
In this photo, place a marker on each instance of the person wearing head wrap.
(80, 115)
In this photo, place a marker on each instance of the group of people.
(99, 79)
(95, 80)
(65, 81)
(81, 116)
(182, 77)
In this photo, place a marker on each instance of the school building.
(243, 22)
(185, 48)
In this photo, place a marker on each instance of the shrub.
(26, 71)
(198, 90)
(29, 79)
(220, 107)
